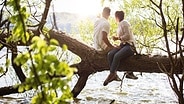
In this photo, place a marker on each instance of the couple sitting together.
(115, 54)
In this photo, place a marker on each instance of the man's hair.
(120, 15)
(106, 11)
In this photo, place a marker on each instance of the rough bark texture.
(8, 90)
(93, 61)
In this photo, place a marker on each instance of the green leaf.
(7, 63)
(21, 89)
(64, 47)
(54, 42)
(1, 69)
(51, 48)
(35, 39)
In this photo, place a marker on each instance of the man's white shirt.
(100, 25)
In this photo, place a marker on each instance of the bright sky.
(82, 7)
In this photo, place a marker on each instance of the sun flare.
(81, 7)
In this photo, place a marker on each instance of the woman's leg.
(110, 55)
(114, 58)
(111, 76)
(122, 54)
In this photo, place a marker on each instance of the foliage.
(85, 30)
(168, 15)
(47, 74)
(18, 18)
(147, 25)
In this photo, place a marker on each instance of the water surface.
(150, 88)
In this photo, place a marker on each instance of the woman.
(125, 49)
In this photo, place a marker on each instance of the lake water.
(150, 88)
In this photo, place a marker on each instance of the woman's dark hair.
(119, 15)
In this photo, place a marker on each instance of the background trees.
(167, 18)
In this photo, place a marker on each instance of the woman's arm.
(126, 33)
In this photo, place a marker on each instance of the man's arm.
(106, 40)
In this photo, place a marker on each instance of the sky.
(82, 7)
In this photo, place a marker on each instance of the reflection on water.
(150, 88)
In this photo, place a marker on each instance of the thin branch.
(44, 16)
(154, 9)
(162, 68)
(54, 19)
(154, 3)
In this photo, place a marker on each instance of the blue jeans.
(115, 56)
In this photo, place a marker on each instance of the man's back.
(101, 25)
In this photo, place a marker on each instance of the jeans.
(119, 54)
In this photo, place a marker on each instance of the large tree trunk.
(93, 61)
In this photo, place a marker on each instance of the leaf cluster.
(46, 73)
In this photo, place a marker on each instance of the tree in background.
(161, 22)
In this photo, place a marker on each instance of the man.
(101, 31)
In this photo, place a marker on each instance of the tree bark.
(17, 68)
(8, 90)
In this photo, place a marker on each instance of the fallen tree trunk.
(93, 61)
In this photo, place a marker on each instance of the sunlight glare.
(81, 7)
